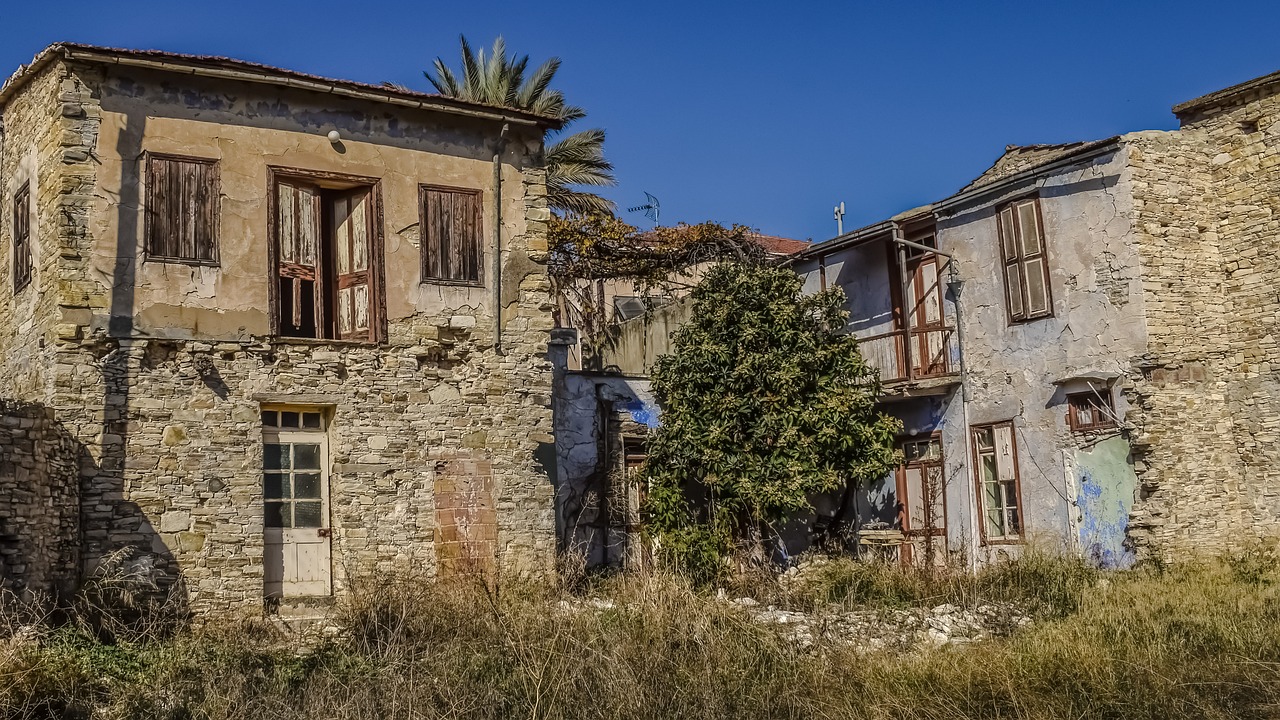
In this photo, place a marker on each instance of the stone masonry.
(157, 374)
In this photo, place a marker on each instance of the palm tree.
(499, 79)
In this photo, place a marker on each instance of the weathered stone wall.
(1206, 199)
(160, 371)
(39, 502)
(31, 153)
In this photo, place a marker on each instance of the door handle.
(324, 532)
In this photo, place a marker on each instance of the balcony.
(932, 367)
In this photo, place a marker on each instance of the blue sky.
(761, 113)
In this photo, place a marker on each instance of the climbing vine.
(588, 251)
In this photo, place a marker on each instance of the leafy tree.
(500, 79)
(764, 404)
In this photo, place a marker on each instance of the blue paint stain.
(644, 413)
(1106, 494)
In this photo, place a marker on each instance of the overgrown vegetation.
(588, 250)
(1180, 642)
(765, 403)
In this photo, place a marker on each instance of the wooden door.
(297, 554)
(922, 492)
(351, 231)
(924, 302)
(298, 223)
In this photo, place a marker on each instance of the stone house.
(264, 333)
(1081, 344)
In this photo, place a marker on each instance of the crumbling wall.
(1205, 405)
(39, 502)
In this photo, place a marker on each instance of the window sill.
(181, 261)
(1003, 541)
(1025, 321)
(452, 283)
(321, 342)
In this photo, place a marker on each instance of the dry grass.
(1191, 641)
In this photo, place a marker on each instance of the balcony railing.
(933, 354)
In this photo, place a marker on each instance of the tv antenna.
(840, 218)
(650, 207)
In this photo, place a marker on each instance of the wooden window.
(1026, 264)
(1090, 410)
(182, 210)
(451, 235)
(22, 238)
(326, 257)
(999, 490)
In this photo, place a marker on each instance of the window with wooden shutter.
(327, 257)
(452, 251)
(1091, 410)
(22, 238)
(998, 484)
(182, 210)
(1026, 266)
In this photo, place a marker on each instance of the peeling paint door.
(351, 234)
(928, 327)
(922, 486)
(297, 558)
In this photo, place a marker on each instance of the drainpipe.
(497, 239)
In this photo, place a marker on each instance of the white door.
(295, 500)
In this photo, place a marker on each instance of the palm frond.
(538, 83)
(573, 202)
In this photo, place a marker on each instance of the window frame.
(325, 181)
(426, 277)
(980, 483)
(215, 214)
(1102, 404)
(1021, 260)
(23, 262)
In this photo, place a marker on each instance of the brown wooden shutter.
(1035, 267)
(182, 209)
(298, 218)
(1012, 266)
(22, 238)
(351, 234)
(451, 235)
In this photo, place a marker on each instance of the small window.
(22, 238)
(182, 210)
(1091, 410)
(999, 490)
(451, 238)
(293, 419)
(1026, 263)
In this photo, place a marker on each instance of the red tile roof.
(775, 245)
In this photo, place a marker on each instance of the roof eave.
(1219, 97)
(286, 79)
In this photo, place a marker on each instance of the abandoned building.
(264, 331)
(1082, 345)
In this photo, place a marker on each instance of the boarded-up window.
(1091, 410)
(1026, 266)
(451, 243)
(182, 210)
(999, 493)
(22, 238)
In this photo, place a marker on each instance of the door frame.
(300, 435)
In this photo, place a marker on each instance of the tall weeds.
(1183, 642)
